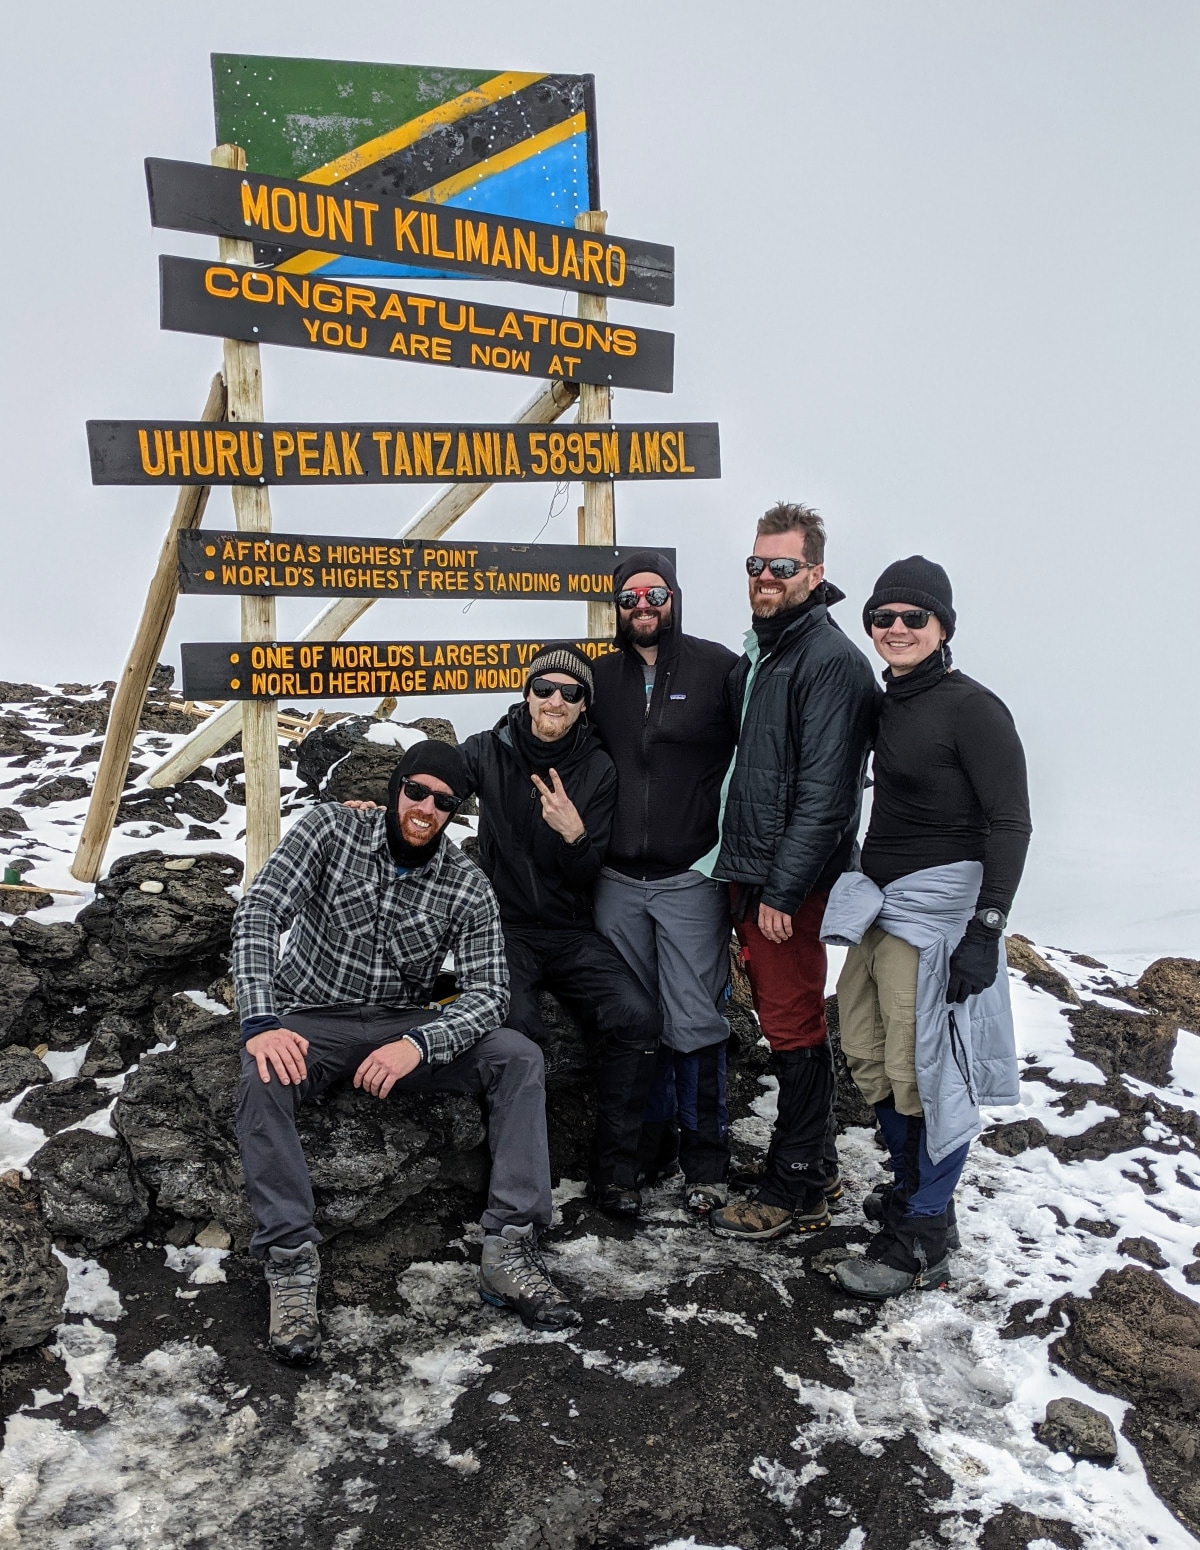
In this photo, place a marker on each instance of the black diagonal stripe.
(449, 149)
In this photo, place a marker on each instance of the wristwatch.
(993, 919)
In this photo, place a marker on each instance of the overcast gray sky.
(937, 275)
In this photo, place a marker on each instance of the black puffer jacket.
(671, 757)
(538, 878)
(792, 812)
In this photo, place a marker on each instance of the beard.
(628, 636)
(767, 608)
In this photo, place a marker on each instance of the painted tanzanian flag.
(507, 142)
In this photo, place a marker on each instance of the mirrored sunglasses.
(783, 568)
(545, 687)
(632, 596)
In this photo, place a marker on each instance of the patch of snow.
(89, 1289)
(201, 1266)
(209, 1003)
(65, 1063)
(18, 1140)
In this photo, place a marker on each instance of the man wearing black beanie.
(373, 904)
(925, 1022)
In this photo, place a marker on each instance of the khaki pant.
(877, 1002)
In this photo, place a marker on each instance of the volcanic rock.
(1016, 1137)
(20, 901)
(1138, 1338)
(33, 1282)
(1172, 986)
(104, 1054)
(59, 788)
(20, 1067)
(1078, 1429)
(88, 1187)
(1029, 963)
(1139, 1044)
(54, 1107)
(11, 821)
(17, 985)
(1145, 1250)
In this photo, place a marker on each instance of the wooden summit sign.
(224, 564)
(193, 452)
(339, 670)
(266, 306)
(185, 196)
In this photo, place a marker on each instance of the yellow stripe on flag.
(371, 151)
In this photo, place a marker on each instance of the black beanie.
(431, 757)
(918, 581)
(562, 657)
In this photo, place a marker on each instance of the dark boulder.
(1145, 1250)
(17, 984)
(1172, 986)
(1138, 1338)
(105, 1055)
(1016, 1137)
(342, 762)
(1028, 962)
(1079, 1430)
(59, 1104)
(88, 1187)
(1138, 1044)
(59, 788)
(20, 1067)
(182, 918)
(33, 1282)
(11, 821)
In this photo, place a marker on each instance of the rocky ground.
(717, 1394)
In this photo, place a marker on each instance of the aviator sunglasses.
(912, 618)
(783, 569)
(545, 687)
(632, 596)
(415, 791)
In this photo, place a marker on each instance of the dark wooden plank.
(192, 452)
(264, 306)
(339, 670)
(234, 564)
(185, 196)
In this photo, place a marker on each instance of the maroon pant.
(787, 979)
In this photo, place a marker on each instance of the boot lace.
(524, 1262)
(295, 1293)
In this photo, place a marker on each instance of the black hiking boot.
(615, 1199)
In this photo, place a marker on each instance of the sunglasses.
(783, 569)
(632, 596)
(545, 687)
(415, 791)
(912, 618)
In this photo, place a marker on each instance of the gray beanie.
(562, 657)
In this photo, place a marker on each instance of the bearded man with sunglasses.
(923, 997)
(547, 795)
(373, 903)
(807, 703)
(665, 713)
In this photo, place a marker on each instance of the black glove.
(975, 962)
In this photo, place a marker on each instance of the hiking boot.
(749, 1178)
(615, 1199)
(700, 1199)
(908, 1254)
(513, 1274)
(877, 1204)
(812, 1213)
(295, 1330)
(832, 1186)
(751, 1219)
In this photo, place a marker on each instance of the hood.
(652, 560)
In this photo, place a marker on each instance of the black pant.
(589, 976)
(803, 1149)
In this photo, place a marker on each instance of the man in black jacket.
(807, 699)
(664, 711)
(547, 795)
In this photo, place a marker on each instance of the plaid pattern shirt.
(361, 935)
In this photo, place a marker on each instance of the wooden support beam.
(547, 405)
(595, 408)
(130, 693)
(252, 511)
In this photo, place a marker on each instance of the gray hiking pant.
(505, 1067)
(673, 933)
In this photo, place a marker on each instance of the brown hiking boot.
(751, 1219)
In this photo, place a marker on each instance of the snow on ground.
(176, 1448)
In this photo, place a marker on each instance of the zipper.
(663, 684)
(958, 1050)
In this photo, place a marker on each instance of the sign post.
(595, 408)
(252, 511)
(130, 693)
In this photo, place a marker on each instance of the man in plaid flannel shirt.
(374, 904)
